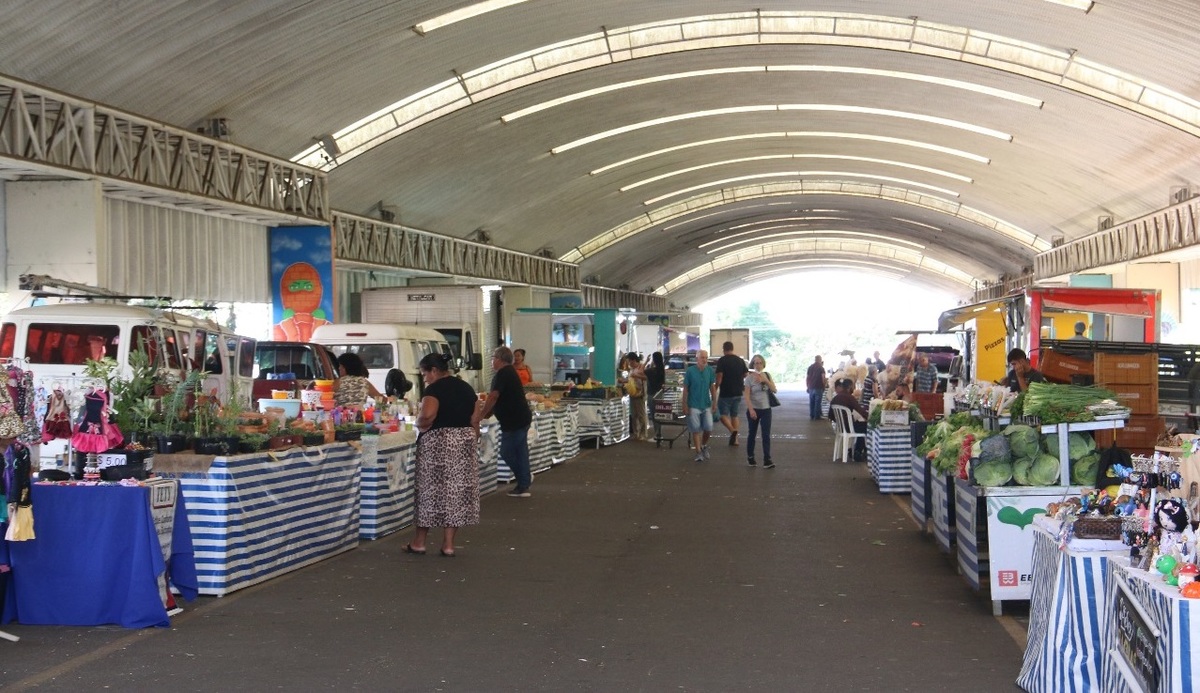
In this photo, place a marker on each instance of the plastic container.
(323, 385)
(290, 407)
(281, 394)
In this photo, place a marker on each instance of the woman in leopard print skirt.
(447, 471)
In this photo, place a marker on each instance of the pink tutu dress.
(95, 433)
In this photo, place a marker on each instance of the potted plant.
(282, 437)
(169, 432)
(252, 442)
(350, 431)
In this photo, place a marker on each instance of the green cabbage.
(995, 473)
(1023, 440)
(1083, 470)
(1078, 444)
(1044, 471)
(1020, 472)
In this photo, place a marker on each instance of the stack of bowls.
(325, 387)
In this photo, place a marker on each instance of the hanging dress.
(58, 418)
(95, 433)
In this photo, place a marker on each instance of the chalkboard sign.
(1137, 641)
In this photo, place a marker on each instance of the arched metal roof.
(679, 146)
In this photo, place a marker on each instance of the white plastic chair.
(844, 435)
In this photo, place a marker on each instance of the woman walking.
(758, 409)
(447, 473)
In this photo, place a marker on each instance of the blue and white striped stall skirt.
(257, 516)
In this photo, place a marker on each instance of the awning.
(957, 317)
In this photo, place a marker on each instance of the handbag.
(771, 398)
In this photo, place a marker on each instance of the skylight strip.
(462, 14)
(826, 69)
(770, 157)
(759, 237)
(816, 107)
(579, 95)
(1085, 5)
(797, 174)
(806, 267)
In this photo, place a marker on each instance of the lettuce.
(995, 473)
(1020, 472)
(1078, 444)
(1044, 471)
(1083, 470)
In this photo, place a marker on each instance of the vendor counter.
(606, 420)
(889, 458)
(387, 500)
(100, 556)
(257, 516)
(553, 438)
(1096, 624)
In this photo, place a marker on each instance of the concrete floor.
(630, 569)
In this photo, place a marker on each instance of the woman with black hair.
(352, 386)
(447, 467)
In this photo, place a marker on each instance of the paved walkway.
(631, 569)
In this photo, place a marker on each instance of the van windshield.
(374, 356)
(74, 344)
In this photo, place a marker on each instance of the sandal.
(408, 548)
(448, 554)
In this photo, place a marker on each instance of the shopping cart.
(668, 413)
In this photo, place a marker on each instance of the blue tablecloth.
(96, 559)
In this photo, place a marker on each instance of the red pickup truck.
(305, 362)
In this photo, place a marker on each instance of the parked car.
(305, 361)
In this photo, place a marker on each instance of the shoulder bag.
(771, 398)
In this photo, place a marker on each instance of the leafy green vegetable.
(934, 435)
(964, 418)
(996, 473)
(1054, 403)
(1083, 470)
(1078, 444)
(1020, 471)
(995, 449)
(1044, 471)
(1023, 440)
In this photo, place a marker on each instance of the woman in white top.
(758, 409)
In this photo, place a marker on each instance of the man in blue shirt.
(699, 396)
(925, 377)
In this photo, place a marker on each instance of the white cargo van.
(391, 353)
(55, 341)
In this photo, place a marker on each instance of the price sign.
(1137, 640)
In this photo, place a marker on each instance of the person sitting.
(1022, 372)
(844, 397)
(352, 387)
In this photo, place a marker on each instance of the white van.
(55, 341)
(391, 353)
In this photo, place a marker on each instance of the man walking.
(731, 385)
(925, 377)
(699, 396)
(507, 400)
(816, 387)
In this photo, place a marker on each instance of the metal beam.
(374, 242)
(58, 135)
(603, 297)
(1172, 228)
(1005, 286)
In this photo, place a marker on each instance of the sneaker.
(699, 457)
(704, 451)
(750, 461)
(768, 464)
(520, 493)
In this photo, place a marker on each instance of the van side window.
(171, 342)
(71, 344)
(195, 355)
(212, 355)
(246, 356)
(8, 335)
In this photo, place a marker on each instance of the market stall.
(1149, 634)
(1064, 649)
(100, 556)
(889, 457)
(257, 516)
(920, 498)
(552, 440)
(386, 503)
(605, 420)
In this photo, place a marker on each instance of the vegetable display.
(1054, 404)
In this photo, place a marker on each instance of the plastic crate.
(1060, 368)
(1126, 368)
